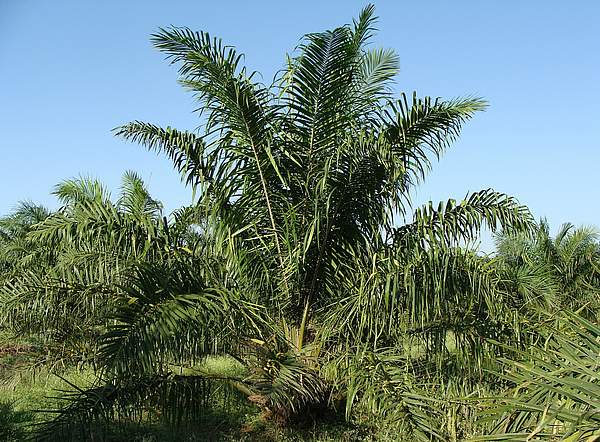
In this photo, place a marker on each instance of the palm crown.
(317, 167)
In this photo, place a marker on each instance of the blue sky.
(71, 71)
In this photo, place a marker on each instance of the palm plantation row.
(293, 265)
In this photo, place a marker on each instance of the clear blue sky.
(71, 71)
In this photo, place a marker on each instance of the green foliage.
(297, 182)
(556, 384)
(293, 267)
(12, 422)
(560, 273)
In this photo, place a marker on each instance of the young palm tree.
(300, 267)
(65, 265)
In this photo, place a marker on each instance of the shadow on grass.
(14, 423)
(226, 427)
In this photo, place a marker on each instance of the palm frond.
(179, 401)
(556, 385)
(169, 314)
(425, 128)
(185, 149)
(135, 198)
(452, 222)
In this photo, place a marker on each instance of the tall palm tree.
(320, 163)
(299, 265)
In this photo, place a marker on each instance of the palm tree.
(299, 266)
(551, 371)
(13, 233)
(562, 271)
(65, 265)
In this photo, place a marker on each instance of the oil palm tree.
(13, 233)
(319, 166)
(563, 270)
(300, 262)
(552, 380)
(66, 264)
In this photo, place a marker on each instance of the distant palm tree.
(563, 271)
(13, 233)
(62, 263)
(554, 381)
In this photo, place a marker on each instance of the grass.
(25, 396)
(24, 393)
(18, 413)
(13, 423)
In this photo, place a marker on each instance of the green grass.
(24, 393)
(13, 423)
(24, 397)
(18, 405)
